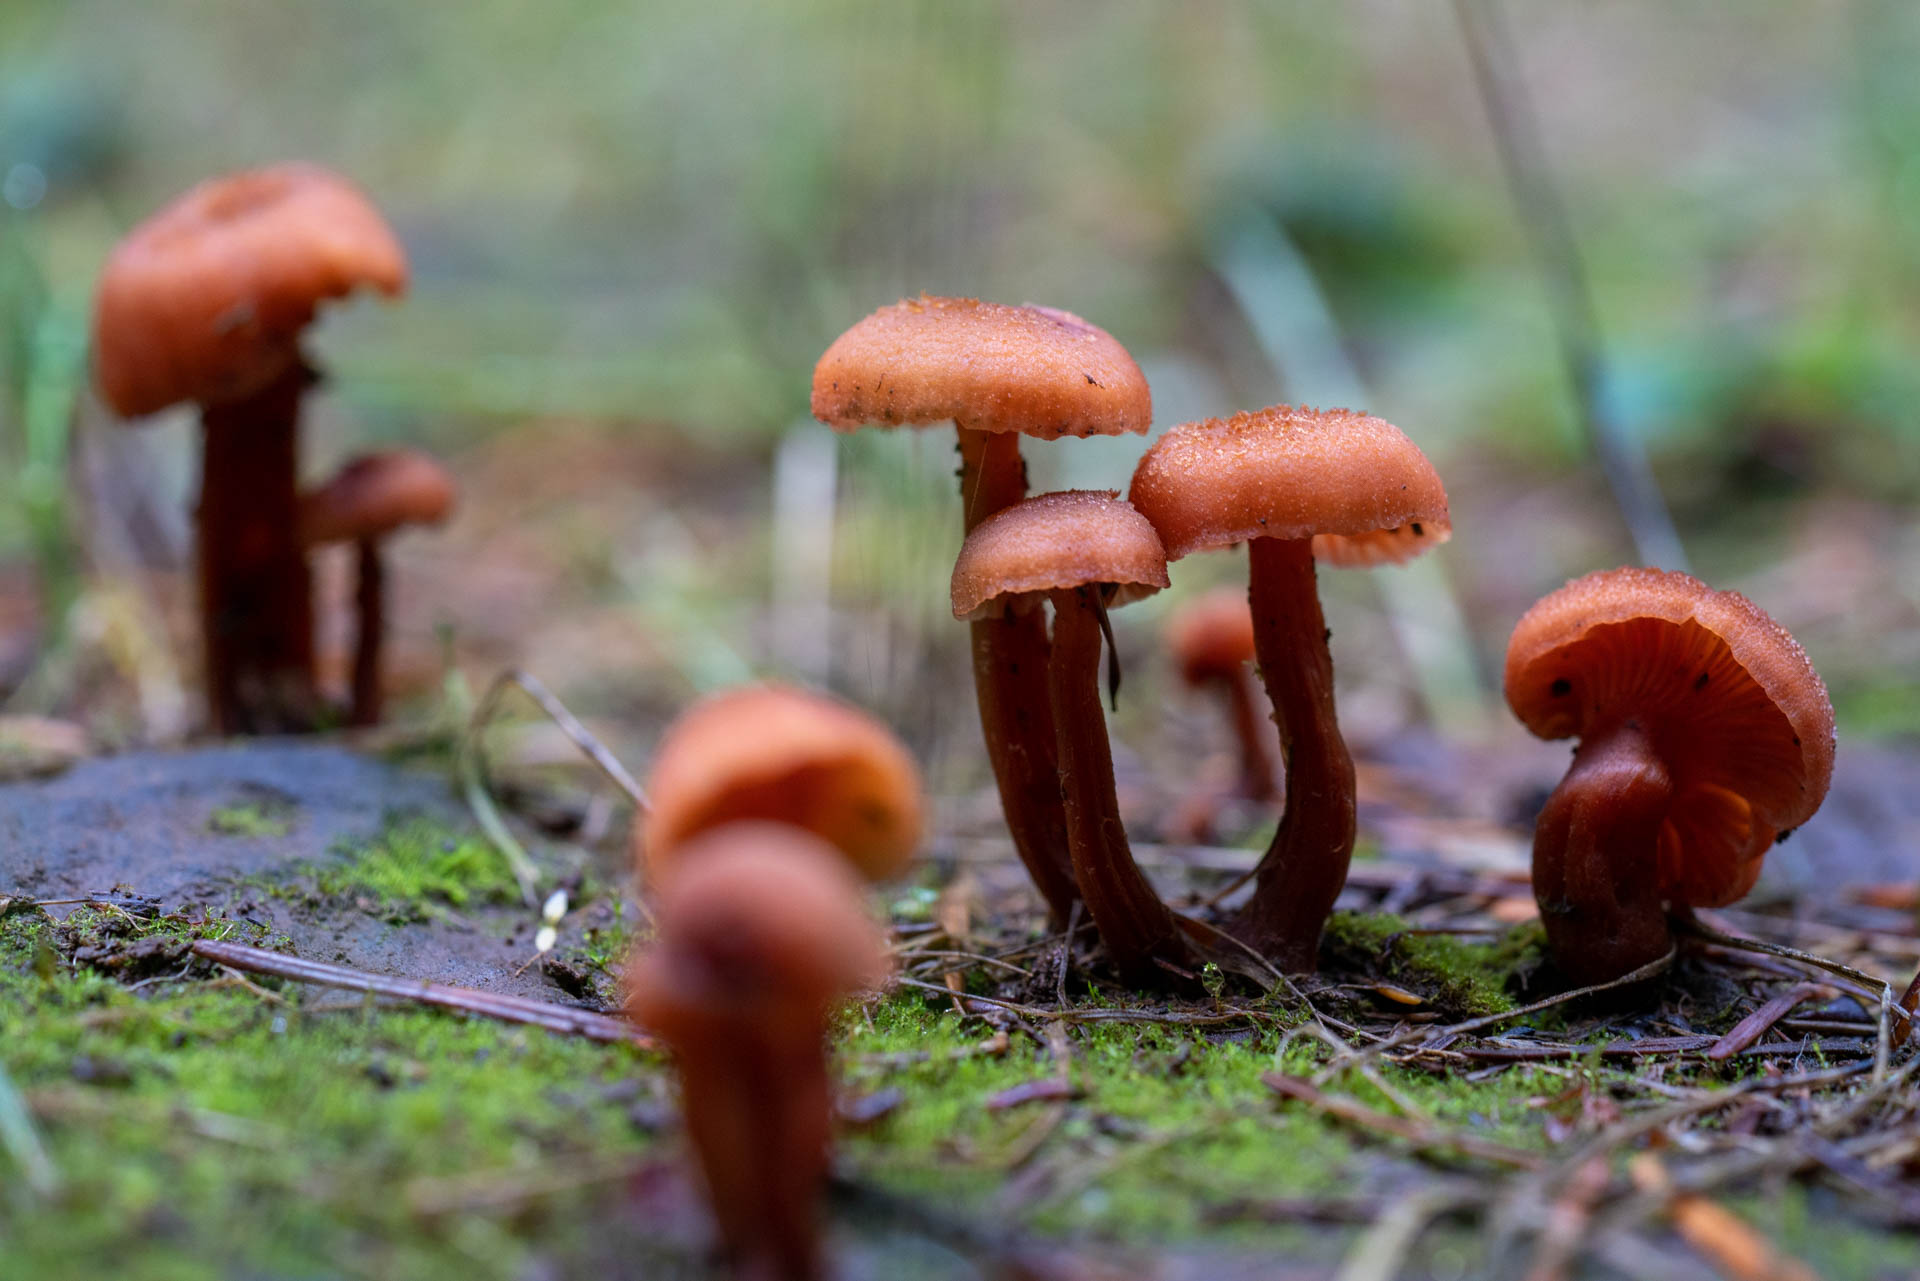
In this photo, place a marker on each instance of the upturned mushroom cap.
(1212, 635)
(1729, 699)
(985, 365)
(374, 494)
(1357, 486)
(765, 923)
(1054, 541)
(205, 300)
(781, 754)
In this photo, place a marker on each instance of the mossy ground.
(206, 1126)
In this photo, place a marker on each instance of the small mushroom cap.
(782, 754)
(1053, 541)
(765, 927)
(1212, 635)
(1357, 486)
(205, 300)
(1732, 704)
(374, 494)
(985, 365)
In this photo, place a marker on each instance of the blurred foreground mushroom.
(1704, 734)
(998, 372)
(760, 934)
(368, 499)
(781, 754)
(1082, 551)
(1295, 485)
(205, 302)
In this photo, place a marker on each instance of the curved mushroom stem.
(1596, 855)
(1137, 927)
(758, 1107)
(370, 598)
(1305, 866)
(256, 607)
(1010, 685)
(1256, 754)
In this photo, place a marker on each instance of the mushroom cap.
(766, 925)
(1729, 699)
(1212, 635)
(786, 755)
(1356, 485)
(1053, 541)
(374, 494)
(205, 300)
(985, 365)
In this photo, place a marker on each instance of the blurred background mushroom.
(205, 302)
(372, 497)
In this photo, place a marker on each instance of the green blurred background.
(635, 226)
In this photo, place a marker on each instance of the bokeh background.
(635, 226)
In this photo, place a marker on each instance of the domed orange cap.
(1730, 701)
(765, 922)
(989, 367)
(375, 494)
(1212, 635)
(1052, 541)
(778, 753)
(205, 300)
(1357, 486)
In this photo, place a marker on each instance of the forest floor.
(1425, 1106)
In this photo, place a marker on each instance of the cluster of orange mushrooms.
(1703, 732)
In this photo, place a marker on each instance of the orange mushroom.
(760, 934)
(1704, 734)
(1295, 484)
(998, 372)
(369, 499)
(205, 302)
(1082, 551)
(1211, 639)
(777, 753)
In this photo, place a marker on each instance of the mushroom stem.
(1305, 866)
(1596, 854)
(759, 1114)
(1010, 685)
(370, 598)
(1256, 754)
(1135, 924)
(256, 606)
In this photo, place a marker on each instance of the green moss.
(262, 821)
(414, 865)
(1444, 970)
(208, 1130)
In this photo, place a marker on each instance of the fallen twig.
(1750, 1029)
(493, 1005)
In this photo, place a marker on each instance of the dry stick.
(509, 1009)
(1429, 1032)
(1883, 1047)
(583, 738)
(1170, 1017)
(1750, 1029)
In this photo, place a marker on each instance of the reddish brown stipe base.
(370, 597)
(1596, 849)
(1138, 929)
(1305, 867)
(1010, 685)
(256, 607)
